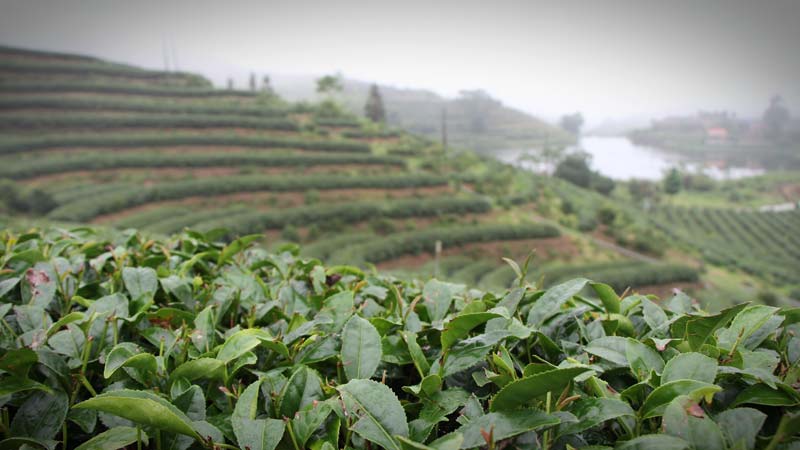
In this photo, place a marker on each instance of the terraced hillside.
(88, 141)
(765, 244)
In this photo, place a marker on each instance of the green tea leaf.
(12, 385)
(592, 412)
(527, 390)
(460, 326)
(380, 415)
(113, 439)
(437, 296)
(740, 426)
(240, 343)
(607, 295)
(256, 434)
(610, 348)
(127, 355)
(552, 300)
(301, 389)
(761, 394)
(41, 415)
(205, 368)
(141, 282)
(642, 359)
(680, 420)
(690, 366)
(658, 400)
(361, 348)
(144, 408)
(504, 424)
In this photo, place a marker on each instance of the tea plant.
(122, 341)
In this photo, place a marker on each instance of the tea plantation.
(184, 267)
(89, 141)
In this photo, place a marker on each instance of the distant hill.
(474, 119)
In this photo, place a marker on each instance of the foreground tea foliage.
(124, 342)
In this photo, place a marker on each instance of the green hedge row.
(179, 139)
(90, 207)
(415, 242)
(257, 222)
(60, 163)
(24, 122)
(337, 122)
(47, 86)
(763, 244)
(99, 68)
(362, 134)
(11, 52)
(623, 274)
(12, 103)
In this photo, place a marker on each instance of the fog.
(610, 60)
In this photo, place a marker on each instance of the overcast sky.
(608, 59)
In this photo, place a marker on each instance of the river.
(620, 159)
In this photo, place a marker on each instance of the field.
(89, 141)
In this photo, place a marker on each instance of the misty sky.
(608, 59)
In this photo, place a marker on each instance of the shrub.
(606, 215)
(229, 346)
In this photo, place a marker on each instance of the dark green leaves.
(361, 348)
(144, 408)
(113, 439)
(690, 366)
(526, 391)
(41, 415)
(553, 299)
(241, 343)
(437, 297)
(503, 425)
(141, 282)
(380, 415)
(252, 433)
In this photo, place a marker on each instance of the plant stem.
(291, 434)
(138, 437)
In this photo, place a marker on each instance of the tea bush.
(121, 341)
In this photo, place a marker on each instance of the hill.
(474, 119)
(88, 141)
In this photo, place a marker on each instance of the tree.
(572, 123)
(672, 182)
(330, 84)
(575, 169)
(266, 85)
(253, 82)
(641, 190)
(550, 154)
(374, 109)
(776, 117)
(230, 84)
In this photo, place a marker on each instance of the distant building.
(717, 135)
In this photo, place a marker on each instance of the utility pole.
(437, 252)
(444, 128)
